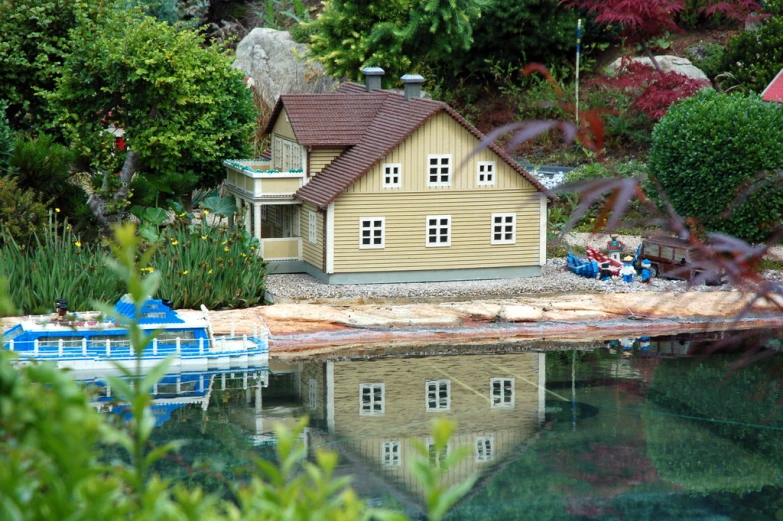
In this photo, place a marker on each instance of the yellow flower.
(244, 254)
(206, 212)
(185, 272)
(223, 243)
(226, 248)
(203, 237)
(174, 242)
(78, 244)
(148, 269)
(57, 210)
(209, 272)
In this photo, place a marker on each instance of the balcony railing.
(288, 248)
(257, 178)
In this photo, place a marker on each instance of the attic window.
(485, 172)
(439, 170)
(392, 175)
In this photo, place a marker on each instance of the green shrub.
(22, 214)
(709, 150)
(707, 57)
(6, 139)
(753, 58)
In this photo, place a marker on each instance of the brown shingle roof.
(372, 124)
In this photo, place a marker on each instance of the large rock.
(668, 63)
(275, 65)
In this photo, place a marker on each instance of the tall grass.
(200, 265)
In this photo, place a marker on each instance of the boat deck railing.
(223, 346)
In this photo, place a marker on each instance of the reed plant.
(198, 265)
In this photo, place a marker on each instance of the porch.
(268, 211)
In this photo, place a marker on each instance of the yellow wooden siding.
(405, 230)
(312, 253)
(320, 157)
(440, 135)
(283, 128)
(283, 185)
(281, 248)
(406, 419)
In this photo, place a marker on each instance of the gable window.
(436, 457)
(501, 393)
(391, 454)
(438, 230)
(439, 170)
(438, 395)
(392, 177)
(311, 228)
(371, 399)
(312, 396)
(504, 228)
(372, 232)
(485, 449)
(485, 172)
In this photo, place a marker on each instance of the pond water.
(648, 428)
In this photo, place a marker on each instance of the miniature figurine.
(646, 271)
(62, 306)
(614, 248)
(605, 273)
(627, 271)
(644, 343)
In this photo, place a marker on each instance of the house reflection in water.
(372, 411)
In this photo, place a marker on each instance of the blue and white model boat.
(90, 341)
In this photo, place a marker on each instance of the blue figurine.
(646, 271)
(627, 271)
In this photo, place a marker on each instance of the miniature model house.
(369, 186)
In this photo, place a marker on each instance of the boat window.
(116, 340)
(156, 314)
(54, 341)
(170, 336)
(652, 250)
(667, 252)
(171, 388)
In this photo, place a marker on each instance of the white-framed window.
(392, 175)
(438, 231)
(485, 449)
(296, 226)
(504, 228)
(312, 393)
(438, 395)
(485, 173)
(391, 454)
(439, 170)
(371, 399)
(372, 232)
(501, 393)
(436, 457)
(312, 223)
(277, 153)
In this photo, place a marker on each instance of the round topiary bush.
(711, 148)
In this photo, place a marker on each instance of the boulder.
(668, 63)
(275, 65)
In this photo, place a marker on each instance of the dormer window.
(392, 175)
(439, 170)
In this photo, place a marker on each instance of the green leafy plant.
(22, 214)
(753, 58)
(707, 57)
(715, 166)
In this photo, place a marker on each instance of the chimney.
(372, 78)
(412, 85)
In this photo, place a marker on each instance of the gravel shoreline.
(555, 279)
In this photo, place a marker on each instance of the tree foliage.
(22, 214)
(181, 105)
(397, 35)
(715, 165)
(34, 40)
